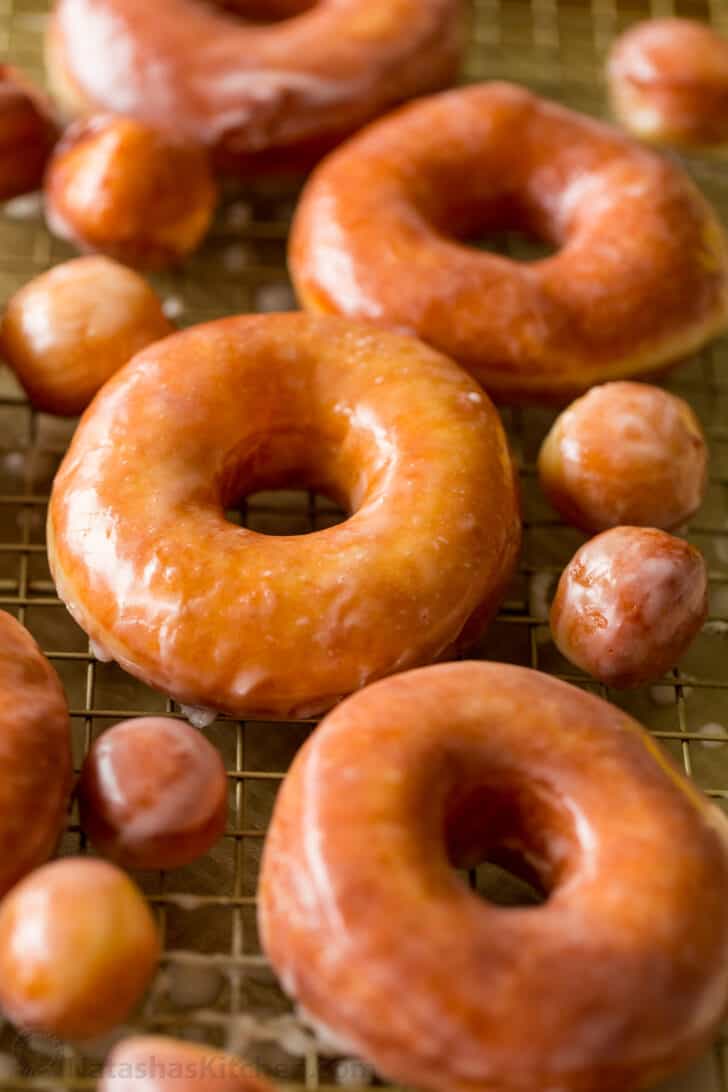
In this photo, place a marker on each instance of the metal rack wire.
(214, 984)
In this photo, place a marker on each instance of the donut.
(625, 453)
(619, 977)
(118, 186)
(668, 83)
(27, 134)
(639, 278)
(153, 794)
(35, 754)
(157, 1064)
(260, 97)
(226, 619)
(78, 947)
(629, 604)
(67, 331)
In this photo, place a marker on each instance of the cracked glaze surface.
(35, 754)
(639, 279)
(224, 618)
(252, 91)
(619, 977)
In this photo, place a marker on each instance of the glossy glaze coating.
(151, 1063)
(260, 96)
(620, 976)
(120, 187)
(78, 947)
(27, 133)
(639, 279)
(35, 754)
(625, 453)
(668, 81)
(153, 794)
(69, 330)
(629, 604)
(224, 618)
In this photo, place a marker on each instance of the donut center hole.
(510, 846)
(507, 225)
(504, 887)
(518, 245)
(288, 483)
(264, 12)
(286, 512)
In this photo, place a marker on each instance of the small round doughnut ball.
(153, 1063)
(629, 604)
(78, 947)
(27, 134)
(625, 453)
(117, 186)
(153, 794)
(668, 83)
(69, 330)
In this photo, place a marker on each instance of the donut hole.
(514, 844)
(290, 483)
(512, 243)
(504, 887)
(502, 224)
(265, 11)
(286, 512)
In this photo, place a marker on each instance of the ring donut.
(668, 82)
(262, 96)
(223, 618)
(640, 277)
(619, 977)
(35, 754)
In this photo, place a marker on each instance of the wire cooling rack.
(214, 985)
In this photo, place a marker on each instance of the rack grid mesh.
(214, 984)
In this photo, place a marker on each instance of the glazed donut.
(260, 96)
(668, 83)
(223, 618)
(153, 794)
(640, 279)
(625, 453)
(619, 977)
(150, 1063)
(69, 330)
(629, 604)
(78, 947)
(35, 754)
(120, 187)
(27, 133)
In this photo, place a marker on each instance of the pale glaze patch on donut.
(640, 277)
(35, 754)
(357, 894)
(668, 80)
(629, 603)
(195, 71)
(625, 453)
(227, 619)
